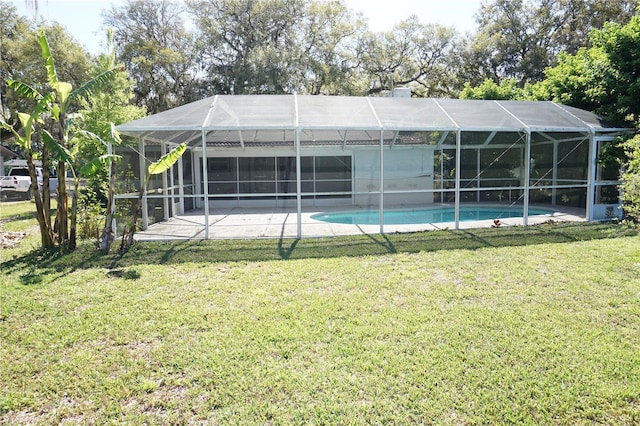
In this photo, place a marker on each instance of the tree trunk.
(127, 238)
(74, 215)
(62, 219)
(46, 188)
(46, 236)
(108, 233)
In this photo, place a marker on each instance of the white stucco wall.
(405, 169)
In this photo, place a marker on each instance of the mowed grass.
(537, 325)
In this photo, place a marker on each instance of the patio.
(244, 223)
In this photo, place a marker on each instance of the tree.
(56, 103)
(28, 124)
(277, 46)
(157, 50)
(577, 18)
(630, 188)
(13, 31)
(518, 39)
(248, 46)
(329, 40)
(20, 59)
(507, 90)
(412, 54)
(513, 41)
(602, 78)
(579, 80)
(621, 44)
(99, 110)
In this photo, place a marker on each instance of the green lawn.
(536, 325)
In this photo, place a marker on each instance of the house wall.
(406, 169)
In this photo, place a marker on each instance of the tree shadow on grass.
(39, 267)
(43, 266)
(220, 251)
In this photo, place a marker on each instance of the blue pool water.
(431, 215)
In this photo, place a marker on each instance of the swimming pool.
(429, 215)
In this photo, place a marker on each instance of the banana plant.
(28, 123)
(70, 157)
(162, 165)
(57, 104)
(65, 96)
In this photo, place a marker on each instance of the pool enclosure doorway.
(303, 154)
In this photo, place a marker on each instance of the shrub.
(630, 189)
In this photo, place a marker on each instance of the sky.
(83, 20)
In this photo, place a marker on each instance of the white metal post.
(591, 174)
(458, 162)
(554, 174)
(205, 179)
(165, 187)
(381, 200)
(478, 165)
(298, 186)
(527, 178)
(143, 170)
(112, 210)
(180, 186)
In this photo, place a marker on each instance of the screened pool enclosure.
(309, 156)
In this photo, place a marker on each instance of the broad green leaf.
(55, 111)
(22, 141)
(63, 89)
(6, 126)
(92, 85)
(24, 90)
(167, 160)
(56, 150)
(52, 76)
(97, 164)
(42, 106)
(24, 119)
(89, 135)
(114, 135)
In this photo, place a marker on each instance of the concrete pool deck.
(244, 223)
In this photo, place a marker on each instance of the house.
(374, 154)
(6, 154)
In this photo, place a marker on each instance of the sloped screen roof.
(273, 118)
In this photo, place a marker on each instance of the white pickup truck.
(18, 183)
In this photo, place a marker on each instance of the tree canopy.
(20, 58)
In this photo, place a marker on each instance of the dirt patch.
(11, 239)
